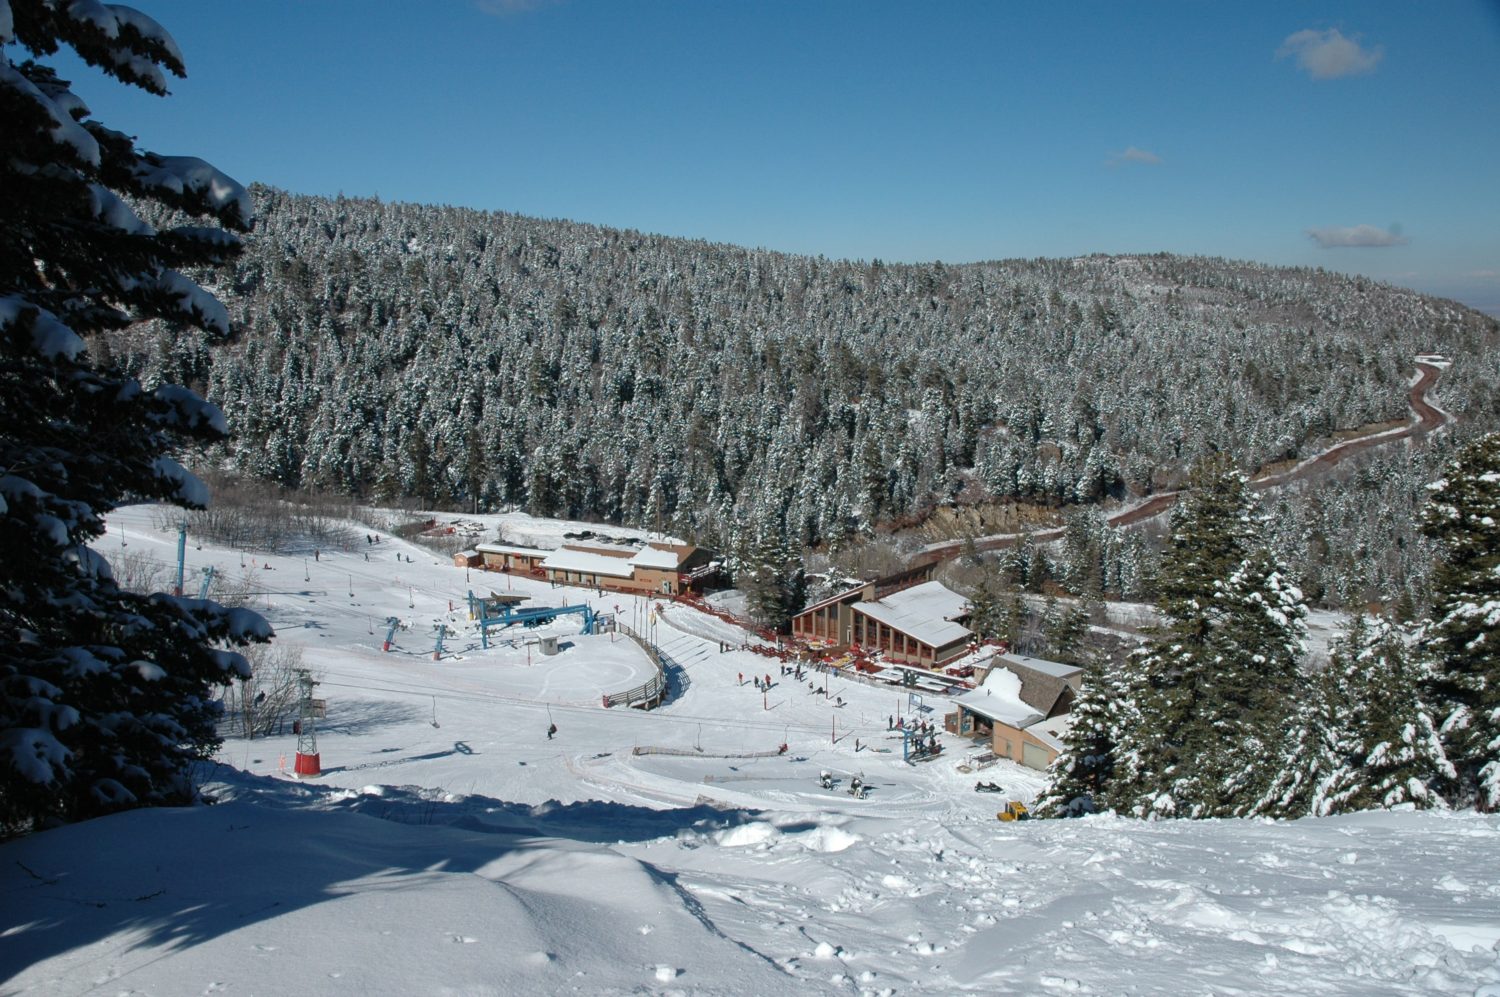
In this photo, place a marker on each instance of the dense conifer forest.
(480, 359)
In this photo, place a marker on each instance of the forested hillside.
(460, 356)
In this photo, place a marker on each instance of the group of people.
(761, 684)
(919, 727)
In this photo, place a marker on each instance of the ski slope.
(451, 847)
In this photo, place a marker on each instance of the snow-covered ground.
(450, 847)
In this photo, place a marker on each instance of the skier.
(551, 729)
(825, 779)
(741, 677)
(857, 788)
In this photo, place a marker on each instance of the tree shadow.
(360, 716)
(157, 877)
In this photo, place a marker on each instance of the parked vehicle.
(1014, 810)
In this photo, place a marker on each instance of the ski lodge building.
(656, 569)
(1022, 708)
(908, 617)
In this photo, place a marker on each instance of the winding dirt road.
(1428, 419)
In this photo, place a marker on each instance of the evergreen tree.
(1463, 517)
(769, 571)
(1401, 754)
(1215, 686)
(104, 694)
(1362, 737)
(986, 604)
(1079, 779)
(1068, 633)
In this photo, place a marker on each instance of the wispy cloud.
(1327, 55)
(1356, 236)
(1132, 155)
(505, 8)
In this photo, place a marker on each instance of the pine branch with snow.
(104, 694)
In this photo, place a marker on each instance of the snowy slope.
(450, 847)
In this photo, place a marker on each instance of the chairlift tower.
(308, 762)
(181, 555)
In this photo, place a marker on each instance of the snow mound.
(756, 833)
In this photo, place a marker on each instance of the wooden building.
(508, 557)
(915, 626)
(831, 621)
(656, 569)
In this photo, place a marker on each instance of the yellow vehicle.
(1014, 810)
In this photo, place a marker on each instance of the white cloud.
(1133, 155)
(1327, 55)
(1484, 274)
(1363, 236)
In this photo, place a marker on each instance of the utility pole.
(181, 553)
(308, 761)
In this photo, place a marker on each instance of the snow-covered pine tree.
(986, 603)
(769, 571)
(104, 694)
(1316, 764)
(1463, 517)
(1214, 686)
(1363, 737)
(1068, 633)
(1079, 778)
(1401, 756)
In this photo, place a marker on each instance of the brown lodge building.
(908, 617)
(656, 569)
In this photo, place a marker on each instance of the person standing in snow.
(551, 729)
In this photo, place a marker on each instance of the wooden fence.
(654, 689)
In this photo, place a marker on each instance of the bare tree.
(137, 571)
(266, 702)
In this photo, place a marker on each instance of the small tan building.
(1022, 709)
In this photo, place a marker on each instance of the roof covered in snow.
(1052, 730)
(999, 699)
(923, 611)
(1054, 668)
(1043, 683)
(997, 708)
(588, 563)
(663, 557)
(606, 549)
(510, 549)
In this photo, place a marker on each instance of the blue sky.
(1361, 136)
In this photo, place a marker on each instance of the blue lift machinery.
(507, 615)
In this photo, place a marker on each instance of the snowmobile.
(988, 787)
